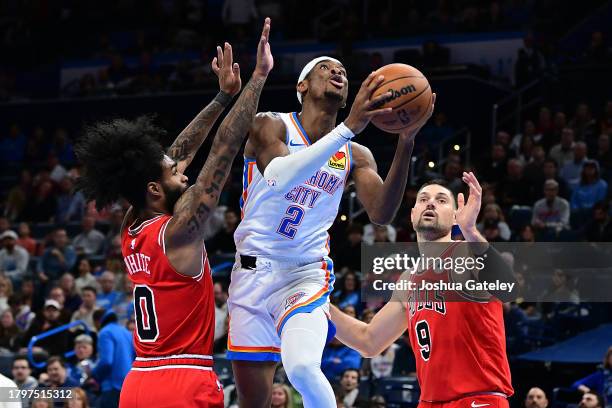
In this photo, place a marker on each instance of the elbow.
(381, 219)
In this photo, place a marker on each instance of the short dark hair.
(119, 158)
(600, 400)
(350, 369)
(22, 357)
(89, 288)
(553, 161)
(439, 182)
(56, 359)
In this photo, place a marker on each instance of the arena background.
(523, 94)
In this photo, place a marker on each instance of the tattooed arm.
(184, 235)
(191, 138)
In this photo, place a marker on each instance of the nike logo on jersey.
(295, 144)
(475, 405)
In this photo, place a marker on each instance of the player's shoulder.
(362, 156)
(268, 121)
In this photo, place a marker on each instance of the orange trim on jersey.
(327, 244)
(297, 127)
(317, 295)
(250, 349)
(245, 191)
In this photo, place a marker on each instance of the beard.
(172, 196)
(432, 229)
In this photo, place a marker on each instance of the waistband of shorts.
(178, 360)
(471, 394)
(285, 262)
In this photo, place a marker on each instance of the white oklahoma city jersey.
(293, 225)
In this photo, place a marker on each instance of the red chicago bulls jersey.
(459, 346)
(175, 314)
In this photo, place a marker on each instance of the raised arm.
(373, 338)
(191, 138)
(184, 235)
(382, 199)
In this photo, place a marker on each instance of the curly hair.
(119, 158)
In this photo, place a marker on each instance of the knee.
(302, 372)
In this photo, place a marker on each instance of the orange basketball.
(410, 101)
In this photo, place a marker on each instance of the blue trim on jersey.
(256, 356)
(319, 302)
(297, 120)
(245, 178)
(350, 152)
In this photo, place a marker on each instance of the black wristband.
(223, 98)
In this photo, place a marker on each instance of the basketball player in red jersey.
(459, 346)
(162, 242)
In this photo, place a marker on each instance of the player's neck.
(148, 213)
(423, 239)
(317, 121)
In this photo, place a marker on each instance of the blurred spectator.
(42, 403)
(560, 289)
(379, 233)
(597, 51)
(62, 147)
(56, 293)
(57, 376)
(381, 366)
(570, 172)
(6, 291)
(12, 146)
(536, 398)
(281, 396)
(526, 234)
(605, 124)
(529, 131)
(600, 381)
(83, 352)
(350, 310)
(378, 401)
(549, 169)
(404, 363)
(85, 277)
(563, 152)
(14, 259)
(73, 301)
(22, 373)
(88, 307)
(525, 151)
(90, 241)
(591, 188)
(512, 190)
(591, 400)
(237, 16)
(115, 223)
(533, 172)
(70, 203)
(337, 357)
(223, 241)
(494, 167)
(530, 63)
(9, 332)
(57, 259)
(42, 206)
(220, 310)
(125, 307)
(25, 240)
(115, 353)
(452, 174)
(551, 211)
(21, 311)
(108, 297)
(603, 154)
(349, 383)
(346, 249)
(599, 227)
(56, 171)
(5, 225)
(493, 212)
(79, 399)
(47, 320)
(18, 196)
(583, 123)
(349, 291)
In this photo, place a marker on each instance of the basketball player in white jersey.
(296, 168)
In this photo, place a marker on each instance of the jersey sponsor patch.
(338, 161)
(292, 300)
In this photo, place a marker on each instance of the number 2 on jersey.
(288, 225)
(146, 316)
(423, 336)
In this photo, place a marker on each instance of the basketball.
(410, 101)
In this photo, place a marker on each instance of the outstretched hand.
(265, 61)
(467, 213)
(227, 70)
